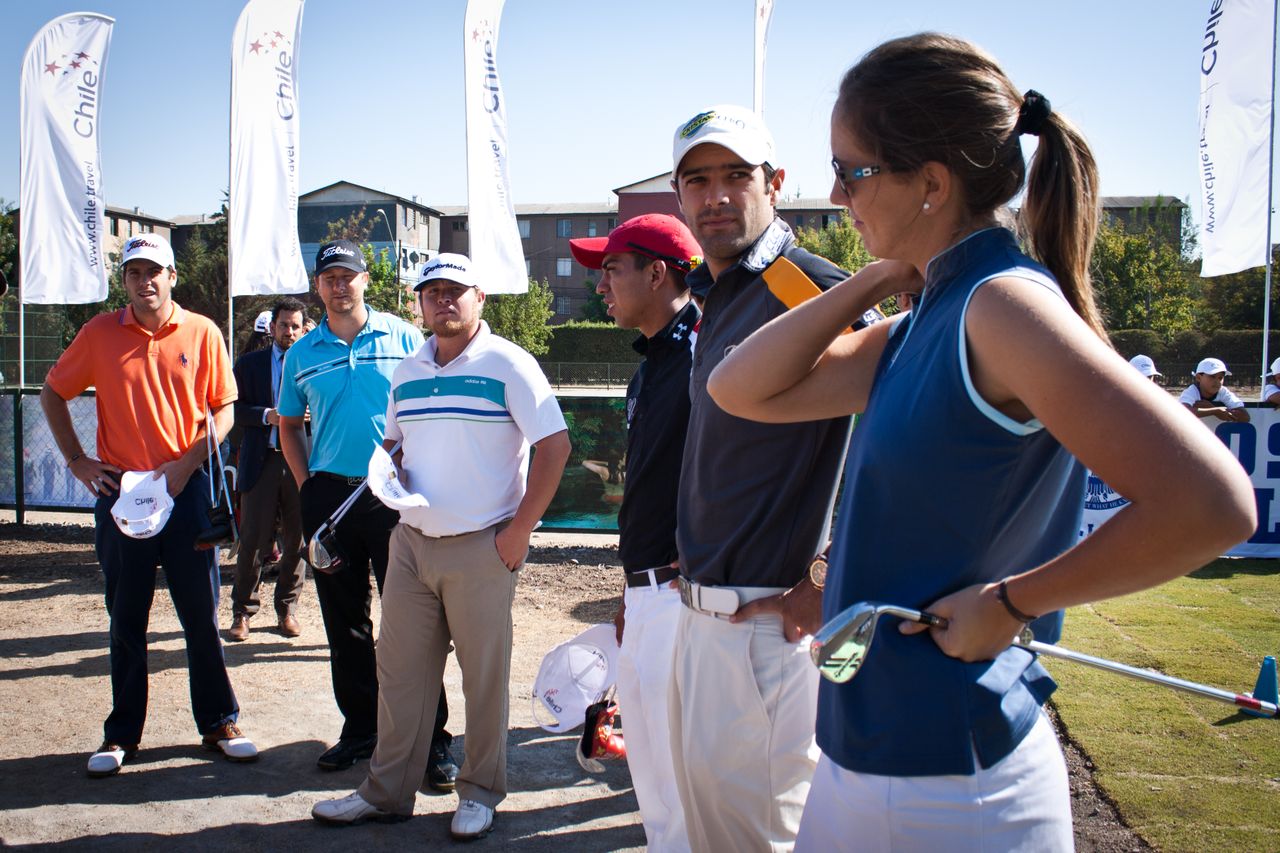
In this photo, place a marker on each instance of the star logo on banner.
(69, 63)
(269, 39)
(483, 31)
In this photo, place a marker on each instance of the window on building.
(564, 227)
(613, 223)
(564, 267)
(799, 220)
(563, 305)
(828, 219)
(523, 225)
(528, 268)
(591, 228)
(115, 227)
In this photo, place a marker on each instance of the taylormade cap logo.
(450, 266)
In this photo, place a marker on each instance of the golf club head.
(839, 649)
(221, 530)
(323, 552)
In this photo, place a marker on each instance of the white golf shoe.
(472, 820)
(351, 810)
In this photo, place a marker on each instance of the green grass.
(1187, 773)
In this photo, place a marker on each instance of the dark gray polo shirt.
(755, 499)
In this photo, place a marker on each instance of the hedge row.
(1239, 347)
(600, 343)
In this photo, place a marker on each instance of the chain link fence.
(564, 374)
(33, 474)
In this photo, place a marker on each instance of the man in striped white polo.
(468, 406)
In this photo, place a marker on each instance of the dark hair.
(288, 305)
(935, 98)
(677, 275)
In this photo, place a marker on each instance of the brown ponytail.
(936, 98)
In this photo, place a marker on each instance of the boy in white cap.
(152, 418)
(1208, 396)
(1271, 391)
(1145, 365)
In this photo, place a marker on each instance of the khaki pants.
(437, 591)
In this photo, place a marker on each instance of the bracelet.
(74, 458)
(1002, 593)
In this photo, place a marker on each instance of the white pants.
(743, 703)
(1021, 803)
(644, 682)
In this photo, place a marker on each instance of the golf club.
(322, 549)
(839, 649)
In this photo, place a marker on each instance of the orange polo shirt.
(152, 389)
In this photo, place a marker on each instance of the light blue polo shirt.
(346, 387)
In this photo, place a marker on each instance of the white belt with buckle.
(717, 601)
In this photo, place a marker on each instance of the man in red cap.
(643, 263)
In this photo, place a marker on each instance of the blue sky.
(595, 89)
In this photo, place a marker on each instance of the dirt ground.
(55, 692)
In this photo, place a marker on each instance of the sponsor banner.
(496, 251)
(764, 13)
(263, 251)
(60, 194)
(1256, 445)
(1235, 134)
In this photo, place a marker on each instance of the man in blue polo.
(342, 373)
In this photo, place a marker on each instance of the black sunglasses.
(846, 175)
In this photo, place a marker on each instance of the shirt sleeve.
(1189, 396)
(222, 380)
(1228, 398)
(1269, 390)
(292, 403)
(532, 403)
(73, 371)
(392, 429)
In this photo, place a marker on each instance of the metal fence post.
(19, 457)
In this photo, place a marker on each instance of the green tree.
(594, 308)
(1142, 281)
(839, 243)
(522, 317)
(1234, 301)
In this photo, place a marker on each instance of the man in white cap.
(157, 369)
(1145, 365)
(468, 407)
(1208, 396)
(341, 375)
(754, 509)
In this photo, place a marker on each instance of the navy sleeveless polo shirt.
(942, 491)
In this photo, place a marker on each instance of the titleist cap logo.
(336, 250)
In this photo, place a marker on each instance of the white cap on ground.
(573, 676)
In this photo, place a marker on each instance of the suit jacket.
(253, 378)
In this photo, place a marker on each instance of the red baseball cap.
(654, 235)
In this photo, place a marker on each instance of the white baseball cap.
(150, 247)
(386, 486)
(447, 265)
(573, 676)
(1275, 367)
(143, 506)
(1145, 365)
(1212, 365)
(263, 323)
(736, 128)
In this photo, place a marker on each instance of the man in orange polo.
(157, 370)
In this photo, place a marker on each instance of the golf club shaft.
(346, 505)
(1249, 702)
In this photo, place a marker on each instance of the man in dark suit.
(266, 486)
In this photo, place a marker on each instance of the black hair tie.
(1033, 113)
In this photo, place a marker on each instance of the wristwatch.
(818, 572)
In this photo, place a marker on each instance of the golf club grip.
(1192, 687)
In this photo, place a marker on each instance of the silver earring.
(927, 205)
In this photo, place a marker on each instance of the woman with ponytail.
(965, 480)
